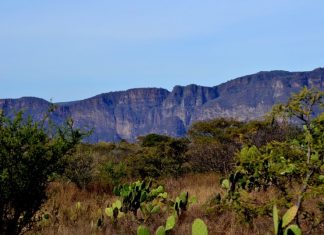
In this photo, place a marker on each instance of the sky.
(67, 50)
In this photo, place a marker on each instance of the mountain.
(131, 113)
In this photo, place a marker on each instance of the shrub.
(280, 164)
(112, 174)
(28, 157)
(164, 159)
(79, 168)
(151, 140)
(214, 144)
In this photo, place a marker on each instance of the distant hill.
(129, 114)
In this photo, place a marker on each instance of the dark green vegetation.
(259, 169)
(28, 157)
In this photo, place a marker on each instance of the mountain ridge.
(138, 111)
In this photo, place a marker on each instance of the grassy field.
(75, 211)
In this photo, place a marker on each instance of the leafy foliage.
(112, 173)
(152, 140)
(280, 164)
(28, 157)
(79, 167)
(275, 164)
(161, 159)
(216, 142)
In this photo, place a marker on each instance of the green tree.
(151, 140)
(161, 157)
(299, 160)
(112, 174)
(214, 144)
(304, 108)
(29, 155)
(79, 168)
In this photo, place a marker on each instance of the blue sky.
(73, 49)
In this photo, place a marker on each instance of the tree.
(29, 156)
(304, 106)
(161, 156)
(79, 168)
(151, 140)
(279, 164)
(214, 144)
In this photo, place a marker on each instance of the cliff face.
(128, 114)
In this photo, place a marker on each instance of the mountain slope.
(135, 112)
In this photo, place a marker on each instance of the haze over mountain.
(135, 112)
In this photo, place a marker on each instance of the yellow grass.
(65, 218)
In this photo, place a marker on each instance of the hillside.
(135, 112)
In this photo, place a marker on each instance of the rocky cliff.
(128, 114)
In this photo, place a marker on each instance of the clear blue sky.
(74, 49)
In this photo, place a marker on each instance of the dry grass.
(65, 218)
(203, 186)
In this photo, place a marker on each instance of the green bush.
(282, 164)
(79, 168)
(28, 157)
(151, 140)
(215, 143)
(112, 174)
(164, 159)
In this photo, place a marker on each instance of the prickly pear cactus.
(199, 227)
(281, 223)
(160, 231)
(143, 230)
(182, 202)
(225, 184)
(114, 212)
(293, 230)
(170, 223)
(275, 217)
(289, 216)
(136, 193)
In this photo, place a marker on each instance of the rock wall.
(128, 114)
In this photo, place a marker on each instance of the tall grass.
(67, 218)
